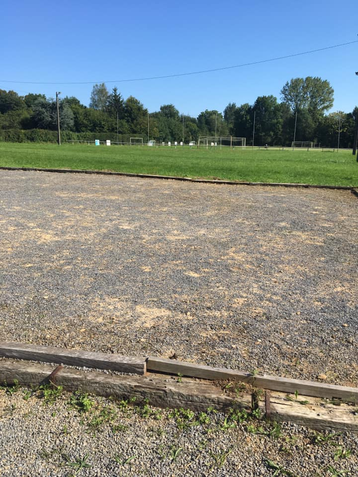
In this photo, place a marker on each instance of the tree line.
(301, 114)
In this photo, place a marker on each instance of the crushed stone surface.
(251, 278)
(87, 436)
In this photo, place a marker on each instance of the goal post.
(305, 144)
(219, 141)
(136, 141)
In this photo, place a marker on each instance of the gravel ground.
(111, 439)
(242, 277)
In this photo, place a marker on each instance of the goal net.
(136, 141)
(219, 141)
(307, 144)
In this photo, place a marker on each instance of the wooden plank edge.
(178, 178)
(112, 362)
(273, 383)
(159, 392)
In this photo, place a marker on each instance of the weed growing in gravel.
(11, 388)
(174, 452)
(82, 402)
(220, 457)
(278, 469)
(341, 453)
(50, 392)
(27, 394)
(320, 438)
(184, 418)
(78, 464)
(105, 415)
(335, 471)
(119, 428)
(121, 461)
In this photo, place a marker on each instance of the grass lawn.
(299, 166)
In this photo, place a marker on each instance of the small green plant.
(50, 392)
(174, 452)
(203, 418)
(320, 438)
(335, 471)
(180, 378)
(256, 414)
(27, 394)
(278, 469)
(220, 457)
(122, 461)
(341, 453)
(184, 418)
(78, 464)
(82, 402)
(11, 388)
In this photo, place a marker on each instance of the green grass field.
(299, 166)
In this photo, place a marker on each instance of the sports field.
(258, 165)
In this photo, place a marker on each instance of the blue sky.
(88, 41)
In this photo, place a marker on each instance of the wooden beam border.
(111, 362)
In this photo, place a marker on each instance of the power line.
(200, 72)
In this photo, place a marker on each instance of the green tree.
(243, 122)
(31, 98)
(211, 123)
(10, 101)
(115, 104)
(310, 93)
(99, 97)
(136, 116)
(229, 116)
(44, 115)
(268, 124)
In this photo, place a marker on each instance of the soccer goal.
(219, 141)
(136, 141)
(306, 144)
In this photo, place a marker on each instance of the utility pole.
(148, 125)
(58, 120)
(183, 129)
(355, 141)
(117, 129)
(253, 130)
(294, 132)
(339, 130)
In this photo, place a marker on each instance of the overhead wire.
(191, 73)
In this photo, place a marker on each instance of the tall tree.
(310, 93)
(136, 116)
(99, 97)
(45, 115)
(115, 104)
(229, 116)
(211, 123)
(10, 101)
(268, 122)
(243, 121)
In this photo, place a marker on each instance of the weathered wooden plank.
(159, 391)
(315, 414)
(166, 392)
(46, 354)
(306, 388)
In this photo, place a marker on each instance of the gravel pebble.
(39, 439)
